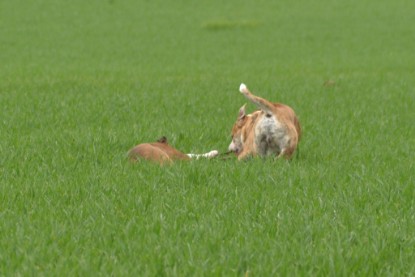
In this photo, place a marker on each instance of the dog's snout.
(232, 147)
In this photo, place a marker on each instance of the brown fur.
(160, 152)
(272, 130)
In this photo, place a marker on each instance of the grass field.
(82, 82)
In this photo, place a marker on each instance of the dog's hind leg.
(208, 155)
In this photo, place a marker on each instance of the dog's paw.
(243, 88)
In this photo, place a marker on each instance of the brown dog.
(272, 130)
(161, 152)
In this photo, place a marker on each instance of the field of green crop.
(81, 82)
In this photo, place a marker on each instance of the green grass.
(82, 82)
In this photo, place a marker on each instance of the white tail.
(243, 88)
(263, 104)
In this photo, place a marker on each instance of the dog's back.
(160, 152)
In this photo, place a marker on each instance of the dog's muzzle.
(234, 148)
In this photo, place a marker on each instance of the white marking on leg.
(208, 155)
(281, 153)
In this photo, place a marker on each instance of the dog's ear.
(163, 139)
(242, 113)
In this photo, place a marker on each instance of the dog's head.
(238, 132)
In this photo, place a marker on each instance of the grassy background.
(83, 82)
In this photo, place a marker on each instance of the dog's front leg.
(244, 155)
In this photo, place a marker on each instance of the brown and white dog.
(272, 130)
(161, 152)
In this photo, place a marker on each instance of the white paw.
(213, 153)
(243, 88)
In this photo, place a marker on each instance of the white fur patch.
(271, 136)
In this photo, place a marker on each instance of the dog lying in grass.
(272, 130)
(161, 152)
